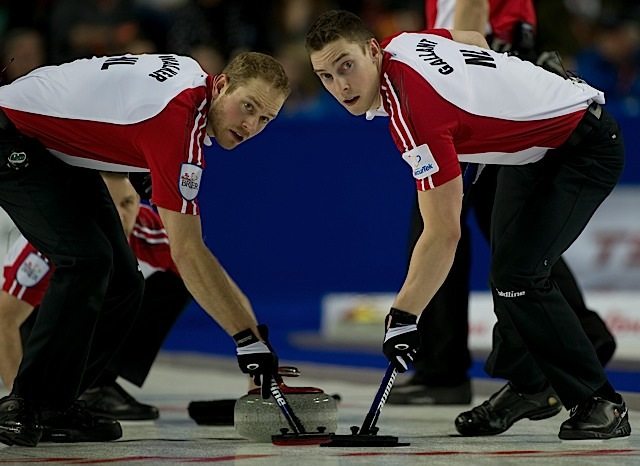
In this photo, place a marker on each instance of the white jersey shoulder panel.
(121, 90)
(448, 66)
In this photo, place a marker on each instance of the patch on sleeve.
(422, 162)
(189, 182)
(33, 269)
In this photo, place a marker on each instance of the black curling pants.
(95, 292)
(539, 211)
(444, 358)
(165, 297)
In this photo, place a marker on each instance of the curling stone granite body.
(257, 419)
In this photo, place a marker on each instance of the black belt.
(589, 121)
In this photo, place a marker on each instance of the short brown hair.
(249, 65)
(334, 25)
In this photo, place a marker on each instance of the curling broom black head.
(212, 413)
(362, 441)
(306, 438)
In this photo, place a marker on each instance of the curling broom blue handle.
(379, 401)
(285, 408)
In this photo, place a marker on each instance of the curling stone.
(220, 412)
(258, 419)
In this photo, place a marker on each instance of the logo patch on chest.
(421, 161)
(33, 269)
(189, 182)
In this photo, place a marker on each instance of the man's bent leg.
(52, 205)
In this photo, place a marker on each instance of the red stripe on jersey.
(197, 134)
(397, 122)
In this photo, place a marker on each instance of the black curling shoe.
(18, 422)
(78, 424)
(504, 408)
(113, 401)
(596, 418)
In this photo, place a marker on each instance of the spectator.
(612, 63)
(22, 51)
(82, 28)
(232, 27)
(306, 99)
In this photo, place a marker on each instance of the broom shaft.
(285, 408)
(379, 401)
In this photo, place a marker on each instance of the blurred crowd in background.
(598, 39)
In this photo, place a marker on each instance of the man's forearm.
(471, 15)
(430, 263)
(214, 290)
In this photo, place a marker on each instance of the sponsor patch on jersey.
(32, 270)
(422, 162)
(189, 182)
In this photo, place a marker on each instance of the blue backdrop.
(311, 207)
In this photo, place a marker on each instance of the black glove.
(550, 60)
(524, 41)
(401, 339)
(256, 357)
(141, 182)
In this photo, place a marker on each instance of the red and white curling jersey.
(27, 272)
(503, 15)
(451, 102)
(128, 113)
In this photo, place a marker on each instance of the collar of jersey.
(380, 111)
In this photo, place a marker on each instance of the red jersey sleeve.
(172, 144)
(150, 243)
(422, 125)
(26, 273)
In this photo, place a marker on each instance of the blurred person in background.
(27, 273)
(85, 28)
(229, 26)
(155, 18)
(292, 18)
(306, 101)
(25, 14)
(612, 62)
(385, 17)
(208, 57)
(443, 360)
(23, 50)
